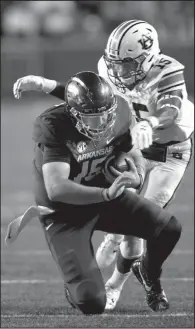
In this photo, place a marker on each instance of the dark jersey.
(57, 139)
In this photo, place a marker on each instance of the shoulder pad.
(102, 68)
(169, 64)
(123, 109)
(172, 74)
(103, 72)
(124, 115)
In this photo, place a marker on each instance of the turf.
(31, 291)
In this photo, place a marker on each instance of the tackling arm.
(167, 110)
(168, 106)
(40, 84)
(169, 100)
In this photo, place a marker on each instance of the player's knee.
(173, 229)
(131, 247)
(89, 297)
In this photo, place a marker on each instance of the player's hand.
(116, 189)
(142, 135)
(33, 83)
(131, 174)
(27, 83)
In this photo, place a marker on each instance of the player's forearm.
(67, 191)
(164, 118)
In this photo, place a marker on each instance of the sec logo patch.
(81, 147)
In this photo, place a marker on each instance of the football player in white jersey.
(153, 84)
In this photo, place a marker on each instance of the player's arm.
(168, 107)
(61, 189)
(56, 172)
(169, 100)
(39, 84)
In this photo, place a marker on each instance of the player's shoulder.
(52, 126)
(122, 104)
(101, 65)
(171, 75)
(103, 72)
(167, 64)
(123, 115)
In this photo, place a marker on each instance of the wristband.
(105, 195)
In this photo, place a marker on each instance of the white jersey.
(164, 77)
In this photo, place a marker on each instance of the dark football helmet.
(92, 103)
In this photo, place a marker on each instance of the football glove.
(141, 135)
(33, 83)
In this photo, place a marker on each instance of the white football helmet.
(131, 50)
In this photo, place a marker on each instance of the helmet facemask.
(127, 72)
(95, 125)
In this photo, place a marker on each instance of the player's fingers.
(126, 184)
(150, 139)
(145, 141)
(115, 171)
(122, 179)
(134, 139)
(139, 141)
(16, 89)
(122, 185)
(130, 164)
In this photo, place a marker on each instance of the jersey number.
(163, 62)
(139, 108)
(89, 170)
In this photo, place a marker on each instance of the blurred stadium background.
(56, 39)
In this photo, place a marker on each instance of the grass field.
(31, 286)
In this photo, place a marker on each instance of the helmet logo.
(81, 147)
(146, 41)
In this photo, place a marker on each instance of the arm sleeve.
(56, 154)
(59, 91)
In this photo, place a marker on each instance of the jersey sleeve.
(56, 154)
(172, 77)
(102, 69)
(59, 91)
(171, 99)
(52, 127)
(171, 86)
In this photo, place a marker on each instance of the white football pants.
(161, 182)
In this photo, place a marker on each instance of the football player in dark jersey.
(72, 142)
